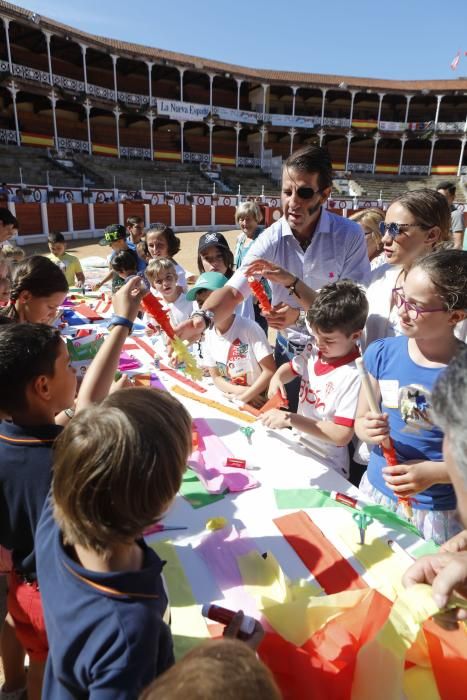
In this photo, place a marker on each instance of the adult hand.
(274, 418)
(282, 316)
(233, 631)
(271, 271)
(126, 301)
(192, 329)
(458, 543)
(446, 573)
(375, 426)
(95, 287)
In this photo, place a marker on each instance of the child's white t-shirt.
(238, 352)
(328, 391)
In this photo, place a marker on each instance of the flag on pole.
(455, 60)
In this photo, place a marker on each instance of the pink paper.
(220, 550)
(127, 362)
(209, 464)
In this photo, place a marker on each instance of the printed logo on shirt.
(415, 407)
(328, 388)
(309, 395)
(238, 364)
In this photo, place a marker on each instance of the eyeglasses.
(306, 192)
(394, 229)
(412, 310)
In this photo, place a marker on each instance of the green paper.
(428, 547)
(319, 498)
(195, 493)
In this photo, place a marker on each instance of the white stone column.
(88, 106)
(84, 48)
(239, 82)
(433, 141)
(380, 106)
(48, 36)
(263, 131)
(117, 114)
(404, 140)
(181, 71)
(44, 218)
(265, 89)
(210, 123)
(114, 69)
(150, 65)
(321, 134)
(292, 133)
(6, 24)
(238, 129)
(53, 101)
(151, 117)
(14, 91)
(459, 168)
(211, 81)
(348, 136)
(438, 105)
(294, 94)
(408, 98)
(352, 102)
(69, 218)
(324, 91)
(182, 145)
(377, 139)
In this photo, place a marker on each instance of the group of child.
(79, 552)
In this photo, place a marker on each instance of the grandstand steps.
(251, 181)
(34, 164)
(389, 188)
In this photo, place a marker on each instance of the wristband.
(120, 321)
(207, 316)
(293, 287)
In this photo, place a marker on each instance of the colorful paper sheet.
(326, 564)
(214, 404)
(127, 362)
(448, 653)
(319, 498)
(195, 493)
(208, 461)
(380, 663)
(185, 612)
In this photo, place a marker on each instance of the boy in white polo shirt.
(329, 378)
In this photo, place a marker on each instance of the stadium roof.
(140, 52)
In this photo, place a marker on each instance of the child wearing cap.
(214, 255)
(236, 350)
(115, 236)
(68, 264)
(330, 382)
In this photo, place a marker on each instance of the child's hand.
(233, 631)
(409, 478)
(255, 401)
(282, 316)
(276, 419)
(96, 287)
(458, 543)
(123, 382)
(276, 385)
(376, 427)
(127, 300)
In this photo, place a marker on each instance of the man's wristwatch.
(301, 320)
(120, 321)
(207, 316)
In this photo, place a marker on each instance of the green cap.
(208, 280)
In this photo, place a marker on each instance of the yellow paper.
(385, 566)
(295, 610)
(420, 684)
(380, 662)
(187, 625)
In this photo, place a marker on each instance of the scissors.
(362, 520)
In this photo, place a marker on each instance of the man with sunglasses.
(315, 246)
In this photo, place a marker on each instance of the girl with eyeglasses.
(417, 222)
(431, 300)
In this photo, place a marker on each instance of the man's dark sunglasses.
(306, 192)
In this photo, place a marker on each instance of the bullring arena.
(95, 130)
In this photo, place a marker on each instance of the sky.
(399, 39)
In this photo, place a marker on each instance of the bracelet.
(120, 321)
(69, 412)
(293, 287)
